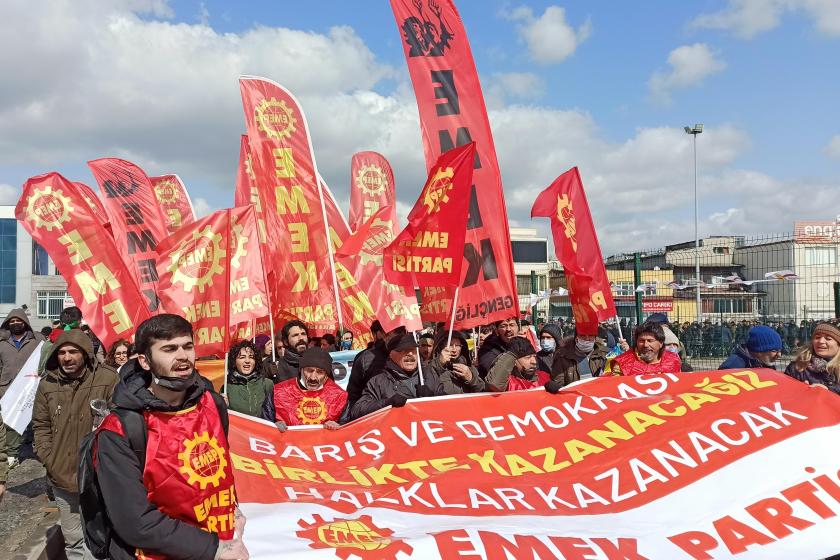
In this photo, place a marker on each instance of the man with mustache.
(648, 354)
(398, 381)
(310, 398)
(294, 337)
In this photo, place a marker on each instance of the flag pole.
(452, 320)
(267, 295)
(419, 361)
(227, 300)
(224, 389)
(330, 253)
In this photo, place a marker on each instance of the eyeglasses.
(120, 353)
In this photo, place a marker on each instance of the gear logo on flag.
(380, 236)
(437, 191)
(203, 461)
(167, 191)
(371, 179)
(238, 243)
(47, 208)
(275, 118)
(565, 213)
(198, 260)
(357, 537)
(312, 410)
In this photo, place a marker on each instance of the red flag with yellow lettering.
(285, 171)
(576, 246)
(452, 113)
(371, 186)
(59, 218)
(137, 222)
(174, 201)
(430, 250)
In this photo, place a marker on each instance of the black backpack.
(97, 528)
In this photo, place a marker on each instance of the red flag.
(576, 246)
(452, 112)
(136, 219)
(245, 178)
(60, 219)
(174, 201)
(429, 251)
(94, 202)
(371, 186)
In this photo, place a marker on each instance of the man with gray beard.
(648, 354)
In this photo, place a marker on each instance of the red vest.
(188, 471)
(518, 384)
(630, 364)
(297, 407)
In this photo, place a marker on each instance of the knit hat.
(763, 339)
(261, 340)
(657, 318)
(553, 330)
(316, 357)
(827, 329)
(670, 337)
(520, 347)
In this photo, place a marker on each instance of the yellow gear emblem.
(47, 208)
(437, 190)
(203, 461)
(312, 410)
(197, 260)
(238, 242)
(371, 179)
(167, 191)
(566, 215)
(275, 118)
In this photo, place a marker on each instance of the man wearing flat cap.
(398, 381)
(310, 398)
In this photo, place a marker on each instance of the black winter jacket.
(393, 381)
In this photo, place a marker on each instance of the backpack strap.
(135, 431)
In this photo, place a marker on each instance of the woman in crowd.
(819, 362)
(453, 365)
(246, 388)
(119, 354)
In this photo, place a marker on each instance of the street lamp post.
(698, 128)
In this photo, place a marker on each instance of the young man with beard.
(62, 416)
(159, 506)
(496, 344)
(398, 381)
(648, 355)
(312, 398)
(17, 342)
(294, 337)
(516, 368)
(369, 362)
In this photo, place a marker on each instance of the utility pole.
(698, 128)
(534, 291)
(637, 281)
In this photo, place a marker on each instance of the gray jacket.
(12, 358)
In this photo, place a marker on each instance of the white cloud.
(748, 18)
(202, 208)
(550, 38)
(832, 149)
(9, 195)
(506, 86)
(165, 95)
(690, 65)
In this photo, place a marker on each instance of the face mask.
(177, 384)
(673, 349)
(584, 346)
(345, 344)
(17, 329)
(548, 344)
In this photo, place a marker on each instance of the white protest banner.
(16, 405)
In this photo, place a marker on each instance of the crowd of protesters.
(289, 382)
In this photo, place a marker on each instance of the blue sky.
(155, 82)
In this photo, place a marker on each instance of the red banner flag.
(371, 186)
(452, 112)
(284, 167)
(60, 219)
(212, 274)
(429, 251)
(576, 246)
(394, 305)
(94, 202)
(174, 201)
(136, 219)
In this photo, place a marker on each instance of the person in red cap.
(310, 398)
(819, 362)
(648, 355)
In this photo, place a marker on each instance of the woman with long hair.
(247, 387)
(819, 362)
(119, 354)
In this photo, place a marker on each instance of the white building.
(27, 275)
(530, 253)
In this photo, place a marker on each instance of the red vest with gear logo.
(298, 407)
(630, 364)
(188, 472)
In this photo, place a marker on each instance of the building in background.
(27, 275)
(530, 254)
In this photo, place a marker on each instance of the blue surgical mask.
(673, 349)
(548, 344)
(345, 344)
